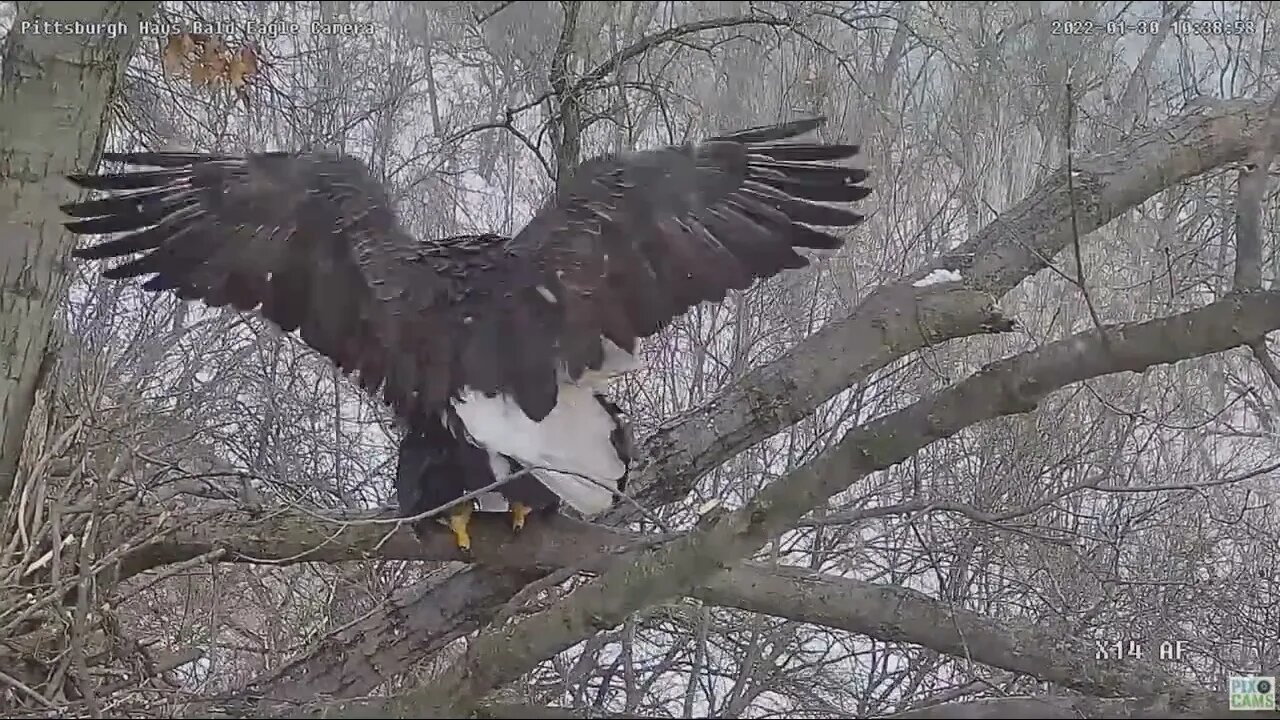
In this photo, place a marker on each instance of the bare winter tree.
(1011, 452)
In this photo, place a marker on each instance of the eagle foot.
(459, 520)
(519, 511)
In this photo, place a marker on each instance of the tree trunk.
(55, 88)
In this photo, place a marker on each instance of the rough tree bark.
(54, 98)
(362, 656)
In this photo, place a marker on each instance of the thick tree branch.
(888, 613)
(1249, 200)
(897, 614)
(358, 658)
(566, 130)
(513, 711)
(361, 656)
(287, 537)
(1010, 386)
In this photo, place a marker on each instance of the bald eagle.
(494, 352)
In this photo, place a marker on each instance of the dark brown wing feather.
(311, 239)
(631, 242)
(627, 244)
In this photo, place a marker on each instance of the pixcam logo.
(1252, 692)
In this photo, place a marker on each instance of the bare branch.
(481, 18)
(1129, 103)
(1052, 707)
(1249, 199)
(571, 93)
(1077, 252)
(567, 130)
(896, 614)
(653, 40)
(887, 613)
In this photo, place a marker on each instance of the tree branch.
(515, 711)
(397, 632)
(1249, 200)
(897, 614)
(653, 40)
(1010, 386)
(288, 537)
(573, 93)
(888, 613)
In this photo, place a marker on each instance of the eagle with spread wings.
(494, 352)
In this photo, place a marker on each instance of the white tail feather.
(585, 496)
(492, 502)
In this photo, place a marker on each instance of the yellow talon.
(459, 518)
(519, 511)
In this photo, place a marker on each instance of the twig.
(1260, 353)
(1079, 279)
(26, 690)
(592, 77)
(481, 18)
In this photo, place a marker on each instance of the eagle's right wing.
(310, 239)
(632, 241)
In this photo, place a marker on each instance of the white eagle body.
(571, 450)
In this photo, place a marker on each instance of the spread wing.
(627, 244)
(631, 242)
(310, 239)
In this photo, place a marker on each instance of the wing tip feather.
(773, 132)
(161, 158)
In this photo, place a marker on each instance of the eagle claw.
(459, 519)
(519, 511)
